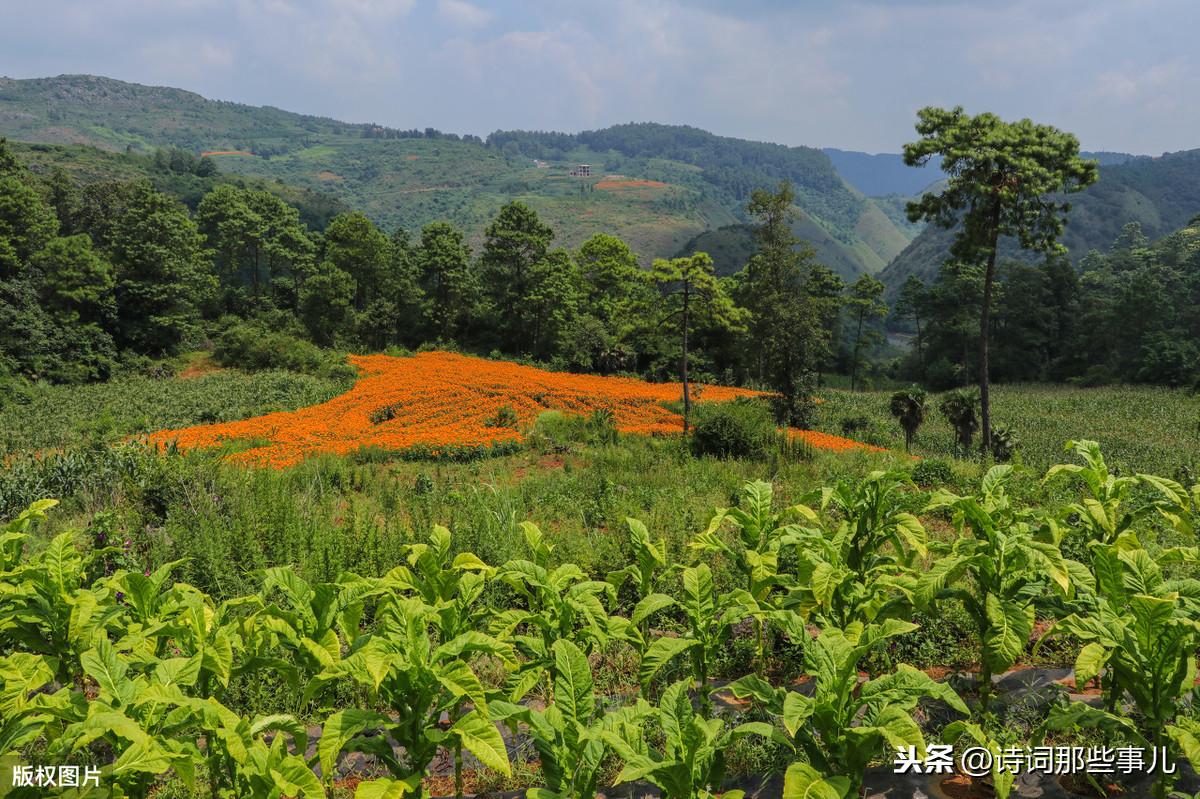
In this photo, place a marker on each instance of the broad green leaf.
(481, 738)
(384, 789)
(338, 730)
(1088, 664)
(661, 652)
(1009, 626)
(802, 781)
(573, 683)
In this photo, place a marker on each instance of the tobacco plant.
(1140, 634)
(404, 667)
(762, 535)
(1012, 559)
(560, 603)
(710, 618)
(865, 568)
(690, 764)
(569, 735)
(844, 725)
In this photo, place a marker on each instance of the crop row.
(131, 670)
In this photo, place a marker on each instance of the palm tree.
(908, 406)
(961, 409)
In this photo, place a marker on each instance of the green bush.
(744, 428)
(933, 472)
(254, 348)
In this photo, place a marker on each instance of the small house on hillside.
(582, 171)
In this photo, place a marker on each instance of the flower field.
(441, 399)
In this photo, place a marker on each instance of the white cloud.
(847, 74)
(463, 14)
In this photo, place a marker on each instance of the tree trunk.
(683, 367)
(985, 317)
(857, 343)
(920, 348)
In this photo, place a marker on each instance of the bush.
(933, 472)
(744, 428)
(254, 348)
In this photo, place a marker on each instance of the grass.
(1141, 428)
(46, 417)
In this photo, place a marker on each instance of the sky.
(1121, 75)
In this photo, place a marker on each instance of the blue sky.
(1121, 75)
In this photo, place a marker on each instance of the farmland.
(537, 531)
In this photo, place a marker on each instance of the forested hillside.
(1160, 194)
(656, 186)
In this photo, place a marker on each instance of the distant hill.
(1162, 194)
(87, 164)
(657, 186)
(882, 174)
(877, 175)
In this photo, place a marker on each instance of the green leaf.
(481, 738)
(104, 666)
(1088, 664)
(1009, 626)
(300, 777)
(142, 756)
(384, 789)
(650, 605)
(661, 652)
(573, 683)
(338, 730)
(802, 781)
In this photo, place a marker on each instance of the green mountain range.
(1161, 194)
(657, 186)
(666, 189)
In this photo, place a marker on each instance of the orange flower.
(441, 399)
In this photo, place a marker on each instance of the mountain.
(657, 186)
(1162, 194)
(883, 174)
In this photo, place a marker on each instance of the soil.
(960, 786)
(199, 368)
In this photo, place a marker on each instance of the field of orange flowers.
(441, 399)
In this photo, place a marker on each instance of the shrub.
(743, 428)
(254, 348)
(961, 409)
(933, 472)
(505, 417)
(853, 424)
(1005, 443)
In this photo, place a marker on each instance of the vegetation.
(1000, 178)
(440, 648)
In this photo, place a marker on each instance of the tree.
(910, 304)
(354, 245)
(865, 302)
(1002, 181)
(161, 278)
(551, 302)
(613, 288)
(908, 407)
(691, 290)
(444, 264)
(395, 314)
(327, 303)
(782, 288)
(76, 283)
(514, 243)
(26, 224)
